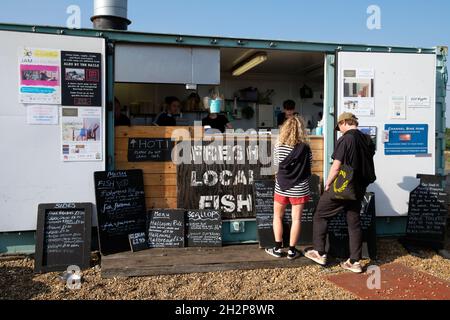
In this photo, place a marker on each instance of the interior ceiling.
(280, 62)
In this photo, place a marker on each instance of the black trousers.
(328, 208)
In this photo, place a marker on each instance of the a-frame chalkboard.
(63, 236)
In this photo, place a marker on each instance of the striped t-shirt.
(300, 190)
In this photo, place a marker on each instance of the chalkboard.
(147, 149)
(338, 230)
(138, 241)
(121, 208)
(203, 228)
(63, 236)
(264, 194)
(427, 213)
(165, 228)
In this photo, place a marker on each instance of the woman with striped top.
(293, 157)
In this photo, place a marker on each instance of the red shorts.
(290, 200)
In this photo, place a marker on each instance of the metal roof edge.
(219, 41)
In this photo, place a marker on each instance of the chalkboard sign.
(338, 230)
(121, 208)
(63, 236)
(203, 228)
(264, 194)
(138, 241)
(165, 228)
(427, 213)
(147, 149)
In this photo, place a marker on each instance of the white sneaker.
(353, 267)
(316, 257)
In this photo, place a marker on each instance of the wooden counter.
(160, 178)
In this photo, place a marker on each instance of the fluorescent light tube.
(254, 61)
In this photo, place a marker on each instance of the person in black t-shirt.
(167, 118)
(289, 112)
(120, 119)
(356, 150)
(217, 121)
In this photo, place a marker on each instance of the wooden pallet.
(192, 260)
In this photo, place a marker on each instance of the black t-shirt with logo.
(166, 120)
(218, 123)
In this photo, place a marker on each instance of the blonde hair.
(293, 132)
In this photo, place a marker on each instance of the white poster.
(397, 107)
(81, 134)
(419, 102)
(42, 114)
(358, 87)
(40, 76)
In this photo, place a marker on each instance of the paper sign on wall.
(406, 139)
(358, 87)
(419, 102)
(81, 134)
(42, 115)
(40, 76)
(397, 107)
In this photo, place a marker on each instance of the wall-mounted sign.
(149, 149)
(81, 134)
(370, 131)
(40, 78)
(419, 102)
(406, 139)
(358, 92)
(42, 114)
(81, 79)
(397, 107)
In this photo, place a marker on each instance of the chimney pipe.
(110, 14)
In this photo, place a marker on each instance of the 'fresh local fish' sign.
(221, 177)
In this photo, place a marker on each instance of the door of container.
(394, 97)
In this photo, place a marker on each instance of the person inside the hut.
(167, 117)
(350, 175)
(121, 119)
(293, 157)
(289, 112)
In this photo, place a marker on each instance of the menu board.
(121, 208)
(338, 230)
(427, 213)
(204, 228)
(81, 79)
(264, 194)
(150, 149)
(165, 228)
(138, 241)
(63, 236)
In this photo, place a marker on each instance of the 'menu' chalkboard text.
(63, 236)
(121, 208)
(165, 228)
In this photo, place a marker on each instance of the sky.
(414, 23)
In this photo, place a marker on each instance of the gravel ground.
(17, 281)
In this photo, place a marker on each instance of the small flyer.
(358, 87)
(81, 134)
(397, 105)
(419, 102)
(42, 115)
(40, 76)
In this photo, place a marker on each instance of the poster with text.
(358, 87)
(406, 139)
(42, 114)
(397, 107)
(81, 134)
(39, 76)
(81, 79)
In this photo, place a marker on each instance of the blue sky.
(404, 23)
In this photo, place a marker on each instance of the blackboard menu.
(427, 213)
(81, 83)
(121, 208)
(150, 149)
(264, 195)
(138, 241)
(203, 228)
(165, 228)
(63, 236)
(338, 230)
